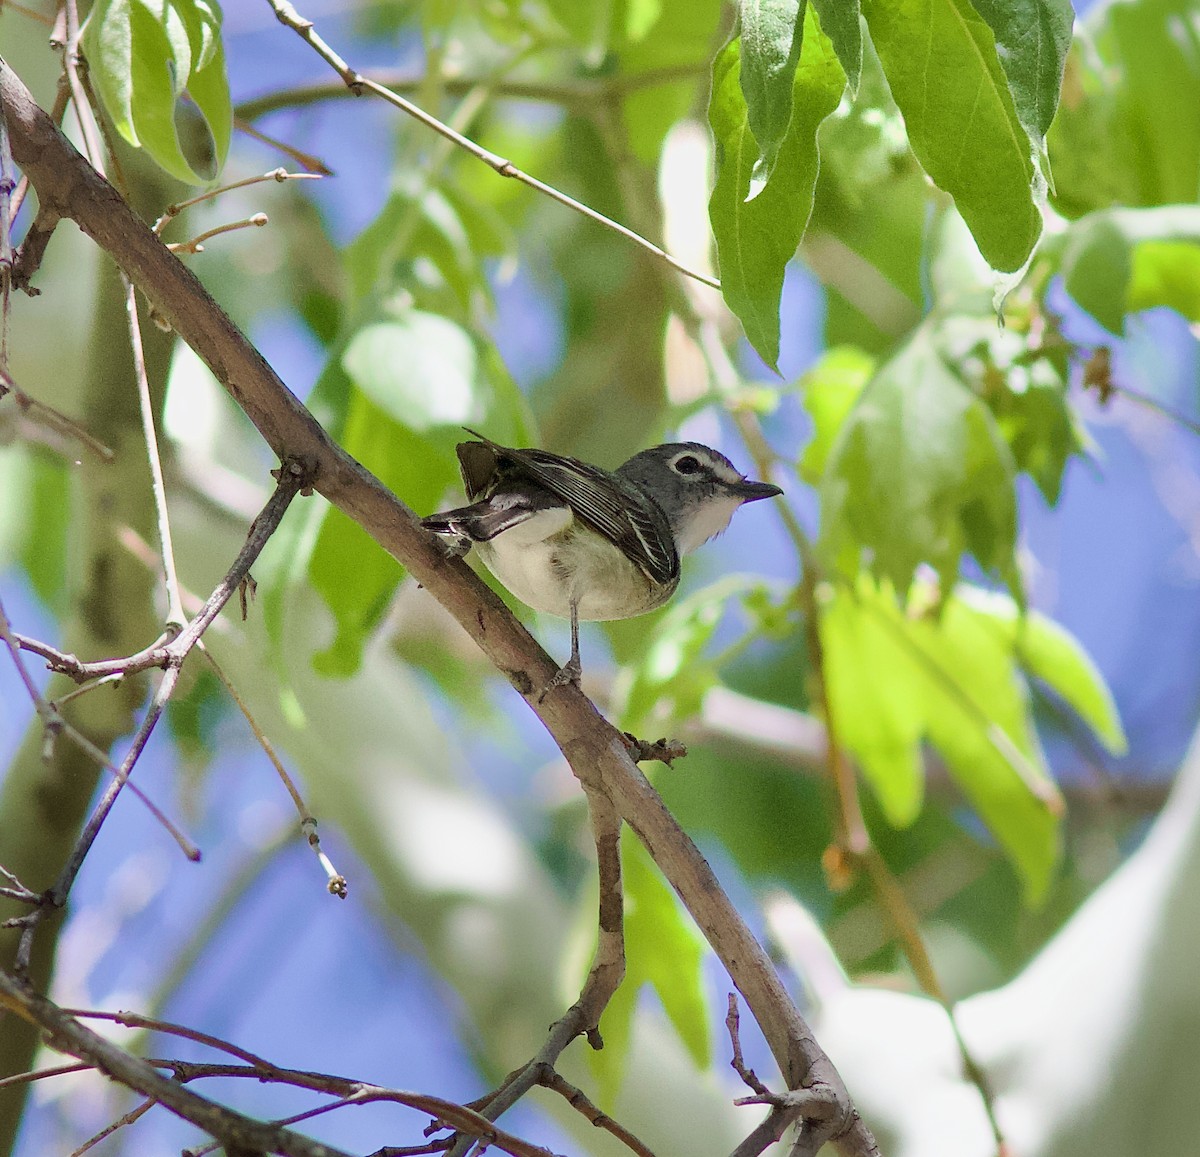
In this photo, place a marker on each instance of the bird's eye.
(686, 464)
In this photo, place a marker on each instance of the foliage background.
(447, 808)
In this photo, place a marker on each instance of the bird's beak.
(749, 491)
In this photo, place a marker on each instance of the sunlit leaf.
(875, 694)
(829, 391)
(756, 239)
(772, 32)
(1166, 273)
(1099, 252)
(941, 63)
(899, 677)
(919, 474)
(420, 368)
(144, 57)
(1032, 38)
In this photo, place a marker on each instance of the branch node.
(646, 751)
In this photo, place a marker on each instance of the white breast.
(550, 558)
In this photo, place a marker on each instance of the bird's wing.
(495, 513)
(612, 507)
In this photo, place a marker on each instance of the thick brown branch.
(594, 750)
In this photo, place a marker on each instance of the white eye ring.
(686, 464)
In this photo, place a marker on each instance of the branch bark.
(596, 752)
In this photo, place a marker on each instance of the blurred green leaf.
(1051, 653)
(897, 679)
(1166, 273)
(1032, 38)
(876, 698)
(841, 21)
(829, 391)
(771, 35)
(1128, 127)
(673, 674)
(1099, 253)
(941, 63)
(1024, 386)
(419, 368)
(663, 949)
(919, 474)
(193, 715)
(756, 239)
(143, 57)
(46, 504)
(353, 574)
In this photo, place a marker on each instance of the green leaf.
(841, 21)
(899, 678)
(354, 575)
(663, 949)
(1051, 653)
(941, 64)
(1032, 39)
(419, 368)
(1099, 252)
(829, 391)
(919, 474)
(143, 57)
(1166, 273)
(672, 677)
(875, 696)
(980, 722)
(772, 33)
(756, 239)
(1024, 386)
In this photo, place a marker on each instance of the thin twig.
(279, 175)
(579, 1101)
(582, 94)
(55, 725)
(292, 479)
(129, 1118)
(603, 979)
(195, 245)
(358, 84)
(335, 881)
(237, 1132)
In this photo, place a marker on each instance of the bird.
(583, 543)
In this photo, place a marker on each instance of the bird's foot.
(569, 673)
(454, 545)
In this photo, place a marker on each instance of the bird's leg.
(571, 671)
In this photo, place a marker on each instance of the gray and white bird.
(579, 542)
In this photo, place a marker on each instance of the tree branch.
(596, 753)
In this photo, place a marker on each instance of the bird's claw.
(569, 673)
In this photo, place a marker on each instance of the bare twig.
(574, 1097)
(358, 84)
(54, 724)
(171, 656)
(279, 175)
(236, 1131)
(195, 245)
(603, 979)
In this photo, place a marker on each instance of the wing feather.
(617, 509)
